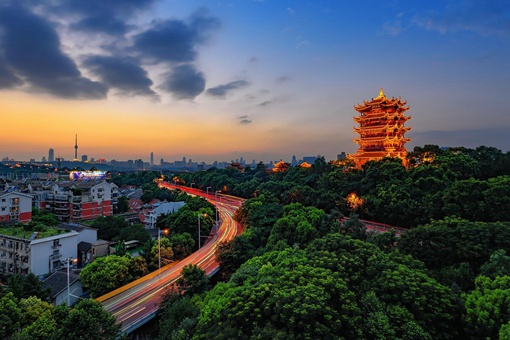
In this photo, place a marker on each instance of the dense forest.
(300, 270)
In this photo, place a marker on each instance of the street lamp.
(199, 242)
(191, 185)
(207, 191)
(68, 260)
(216, 206)
(165, 231)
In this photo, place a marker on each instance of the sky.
(258, 79)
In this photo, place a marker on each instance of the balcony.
(55, 256)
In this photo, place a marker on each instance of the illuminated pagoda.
(281, 166)
(381, 130)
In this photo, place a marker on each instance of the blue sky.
(260, 79)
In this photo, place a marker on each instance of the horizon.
(209, 82)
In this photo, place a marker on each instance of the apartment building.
(78, 201)
(41, 253)
(15, 207)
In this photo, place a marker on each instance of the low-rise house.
(58, 285)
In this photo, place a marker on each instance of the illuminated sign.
(83, 175)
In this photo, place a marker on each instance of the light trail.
(137, 302)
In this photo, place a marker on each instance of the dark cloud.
(106, 16)
(244, 119)
(174, 40)
(480, 16)
(184, 82)
(31, 48)
(124, 74)
(265, 103)
(282, 79)
(101, 23)
(222, 90)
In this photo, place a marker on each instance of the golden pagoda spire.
(381, 93)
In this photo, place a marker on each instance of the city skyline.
(256, 79)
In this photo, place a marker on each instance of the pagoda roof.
(381, 100)
(281, 166)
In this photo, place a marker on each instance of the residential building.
(163, 208)
(77, 201)
(41, 253)
(58, 285)
(15, 207)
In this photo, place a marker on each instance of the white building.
(15, 207)
(163, 208)
(42, 256)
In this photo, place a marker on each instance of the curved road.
(136, 303)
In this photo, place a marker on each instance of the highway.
(136, 303)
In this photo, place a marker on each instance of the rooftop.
(16, 231)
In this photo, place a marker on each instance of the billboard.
(83, 175)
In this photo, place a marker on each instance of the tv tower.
(76, 148)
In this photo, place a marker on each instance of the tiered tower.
(381, 130)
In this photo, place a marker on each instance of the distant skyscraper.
(152, 158)
(84, 158)
(294, 161)
(51, 155)
(76, 147)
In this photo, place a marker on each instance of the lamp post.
(199, 242)
(216, 206)
(198, 231)
(68, 260)
(165, 231)
(207, 191)
(159, 249)
(191, 185)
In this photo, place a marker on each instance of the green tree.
(299, 225)
(354, 228)
(504, 332)
(88, 320)
(178, 316)
(497, 198)
(41, 216)
(106, 274)
(122, 205)
(138, 267)
(165, 249)
(498, 265)
(33, 308)
(108, 227)
(133, 232)
(44, 327)
(182, 245)
(24, 286)
(231, 255)
(10, 315)
(488, 307)
(465, 199)
(193, 281)
(120, 248)
(280, 294)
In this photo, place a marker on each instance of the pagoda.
(381, 130)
